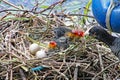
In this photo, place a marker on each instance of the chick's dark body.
(102, 35)
(60, 31)
(62, 43)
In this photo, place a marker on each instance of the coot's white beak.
(87, 31)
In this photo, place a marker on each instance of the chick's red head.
(78, 33)
(52, 44)
(81, 33)
(75, 33)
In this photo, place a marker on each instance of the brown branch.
(33, 11)
(64, 15)
(51, 6)
(22, 74)
(105, 69)
(76, 73)
(15, 10)
(10, 4)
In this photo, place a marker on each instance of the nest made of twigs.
(86, 59)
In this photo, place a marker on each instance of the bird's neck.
(108, 39)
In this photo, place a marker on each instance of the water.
(69, 5)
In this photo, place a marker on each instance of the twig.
(64, 15)
(101, 62)
(11, 71)
(4, 16)
(51, 6)
(59, 72)
(105, 69)
(70, 65)
(76, 73)
(20, 52)
(22, 74)
(7, 78)
(61, 1)
(15, 10)
(117, 77)
(10, 4)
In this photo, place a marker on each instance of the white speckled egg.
(41, 54)
(34, 48)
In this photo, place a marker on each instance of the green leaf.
(44, 6)
(86, 12)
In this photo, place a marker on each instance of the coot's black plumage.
(102, 35)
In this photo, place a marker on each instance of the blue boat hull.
(99, 8)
